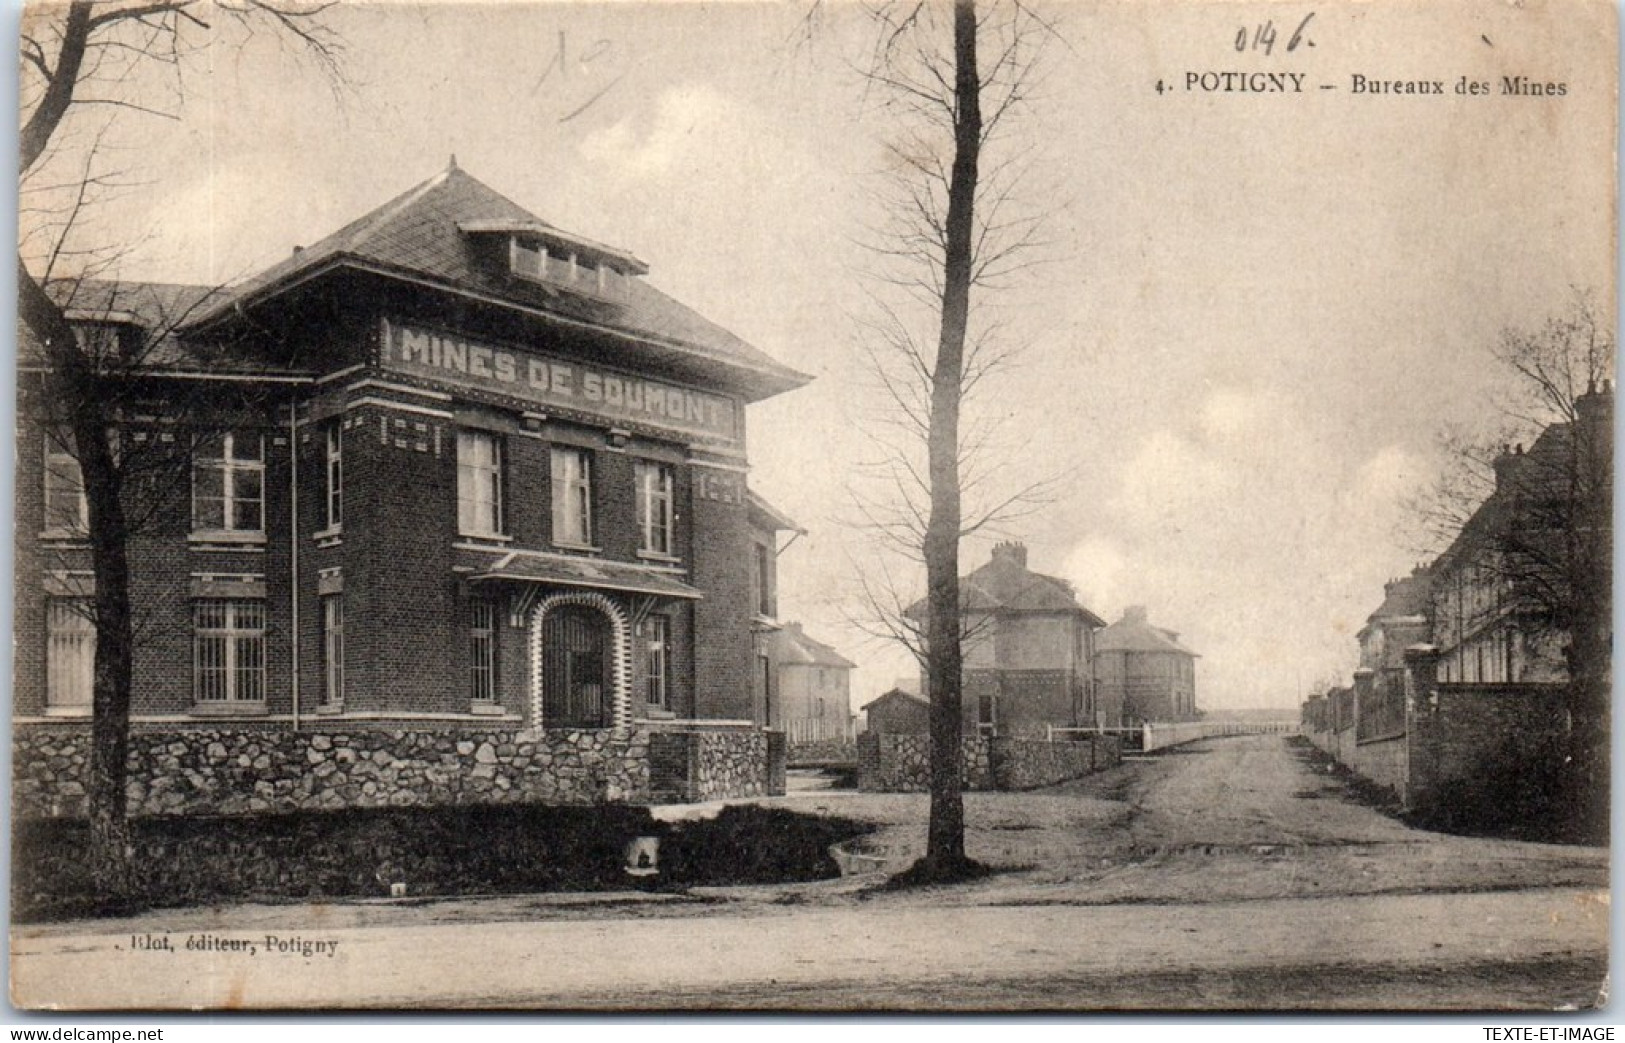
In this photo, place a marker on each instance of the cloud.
(1254, 527)
(1390, 475)
(1095, 568)
(693, 129)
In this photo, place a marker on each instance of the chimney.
(1597, 405)
(1506, 464)
(1011, 551)
(1134, 614)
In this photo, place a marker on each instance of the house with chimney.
(1028, 644)
(1142, 673)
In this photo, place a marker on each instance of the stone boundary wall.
(1459, 748)
(234, 771)
(692, 766)
(1475, 737)
(729, 764)
(1031, 763)
(890, 763)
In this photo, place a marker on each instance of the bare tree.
(1539, 522)
(951, 81)
(84, 65)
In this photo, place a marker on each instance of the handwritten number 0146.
(1262, 37)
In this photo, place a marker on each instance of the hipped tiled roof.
(421, 234)
(1005, 584)
(1136, 635)
(797, 648)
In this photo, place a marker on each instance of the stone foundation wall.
(234, 771)
(1031, 763)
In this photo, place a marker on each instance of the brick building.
(813, 697)
(1507, 590)
(1399, 623)
(1027, 649)
(449, 469)
(1142, 672)
(897, 712)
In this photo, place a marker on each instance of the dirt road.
(1230, 874)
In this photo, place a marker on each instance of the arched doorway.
(580, 658)
(576, 676)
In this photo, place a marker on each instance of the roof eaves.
(777, 377)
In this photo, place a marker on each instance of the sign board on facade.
(556, 383)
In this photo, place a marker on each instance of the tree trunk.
(73, 380)
(945, 842)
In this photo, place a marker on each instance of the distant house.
(813, 696)
(1142, 672)
(1400, 622)
(897, 713)
(1027, 648)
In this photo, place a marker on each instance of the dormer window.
(560, 266)
(527, 260)
(538, 252)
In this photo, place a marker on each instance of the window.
(657, 665)
(70, 654)
(335, 475)
(228, 484)
(654, 506)
(762, 579)
(229, 652)
(482, 647)
(479, 484)
(333, 650)
(526, 260)
(65, 505)
(572, 497)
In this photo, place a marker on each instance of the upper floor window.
(655, 511)
(572, 497)
(762, 580)
(228, 483)
(65, 506)
(333, 456)
(479, 483)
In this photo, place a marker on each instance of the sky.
(1256, 311)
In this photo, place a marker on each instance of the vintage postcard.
(962, 505)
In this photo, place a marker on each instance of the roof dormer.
(543, 254)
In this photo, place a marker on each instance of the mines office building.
(460, 513)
